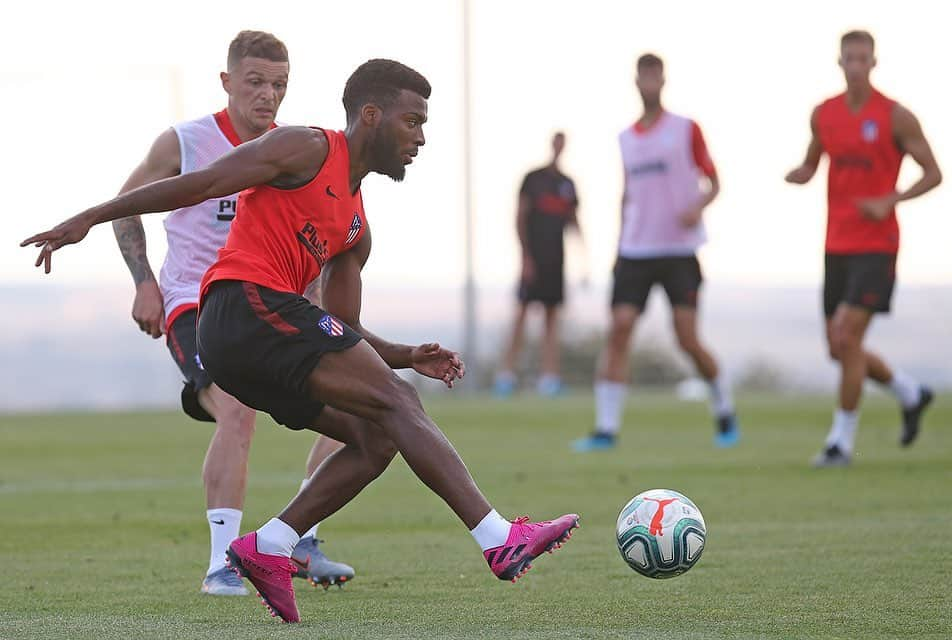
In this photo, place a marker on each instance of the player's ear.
(873, 66)
(225, 82)
(371, 114)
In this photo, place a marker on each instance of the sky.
(85, 95)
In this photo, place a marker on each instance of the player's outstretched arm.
(341, 286)
(286, 151)
(807, 169)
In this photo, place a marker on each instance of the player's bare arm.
(342, 291)
(909, 137)
(286, 157)
(162, 161)
(522, 228)
(806, 171)
(692, 217)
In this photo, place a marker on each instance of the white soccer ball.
(660, 533)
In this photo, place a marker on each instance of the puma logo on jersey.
(331, 193)
(314, 245)
(229, 206)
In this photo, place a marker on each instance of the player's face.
(399, 135)
(256, 87)
(558, 144)
(857, 61)
(650, 81)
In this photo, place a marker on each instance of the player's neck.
(651, 114)
(359, 167)
(857, 95)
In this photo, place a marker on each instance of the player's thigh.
(624, 319)
(849, 325)
(357, 381)
(227, 410)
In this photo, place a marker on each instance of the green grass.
(103, 534)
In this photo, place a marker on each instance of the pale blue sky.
(84, 96)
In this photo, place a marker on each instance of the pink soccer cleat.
(526, 541)
(270, 575)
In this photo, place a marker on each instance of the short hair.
(380, 81)
(858, 35)
(648, 61)
(256, 44)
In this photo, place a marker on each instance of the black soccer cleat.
(912, 417)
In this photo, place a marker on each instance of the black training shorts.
(679, 275)
(864, 280)
(182, 341)
(261, 345)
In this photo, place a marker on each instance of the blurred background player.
(547, 204)
(665, 161)
(866, 135)
(256, 81)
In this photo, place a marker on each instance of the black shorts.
(679, 275)
(182, 341)
(864, 280)
(548, 286)
(261, 345)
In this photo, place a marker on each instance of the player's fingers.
(49, 262)
(36, 240)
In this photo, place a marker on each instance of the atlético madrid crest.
(870, 130)
(331, 326)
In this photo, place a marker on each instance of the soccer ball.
(660, 533)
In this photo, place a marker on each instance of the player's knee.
(395, 397)
(380, 451)
(689, 344)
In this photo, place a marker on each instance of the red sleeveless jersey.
(864, 163)
(281, 238)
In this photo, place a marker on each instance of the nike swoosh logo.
(218, 522)
(303, 565)
(331, 193)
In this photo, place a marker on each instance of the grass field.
(103, 534)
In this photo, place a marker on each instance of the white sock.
(843, 431)
(224, 525)
(548, 383)
(905, 387)
(277, 538)
(722, 399)
(609, 405)
(492, 531)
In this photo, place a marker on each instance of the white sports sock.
(905, 387)
(722, 399)
(313, 530)
(492, 531)
(609, 405)
(277, 538)
(224, 525)
(843, 431)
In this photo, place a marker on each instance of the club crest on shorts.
(331, 326)
(354, 229)
(870, 130)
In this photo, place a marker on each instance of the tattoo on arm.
(131, 238)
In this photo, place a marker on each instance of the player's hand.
(148, 309)
(692, 217)
(800, 175)
(69, 232)
(528, 270)
(438, 363)
(877, 208)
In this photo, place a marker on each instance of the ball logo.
(870, 130)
